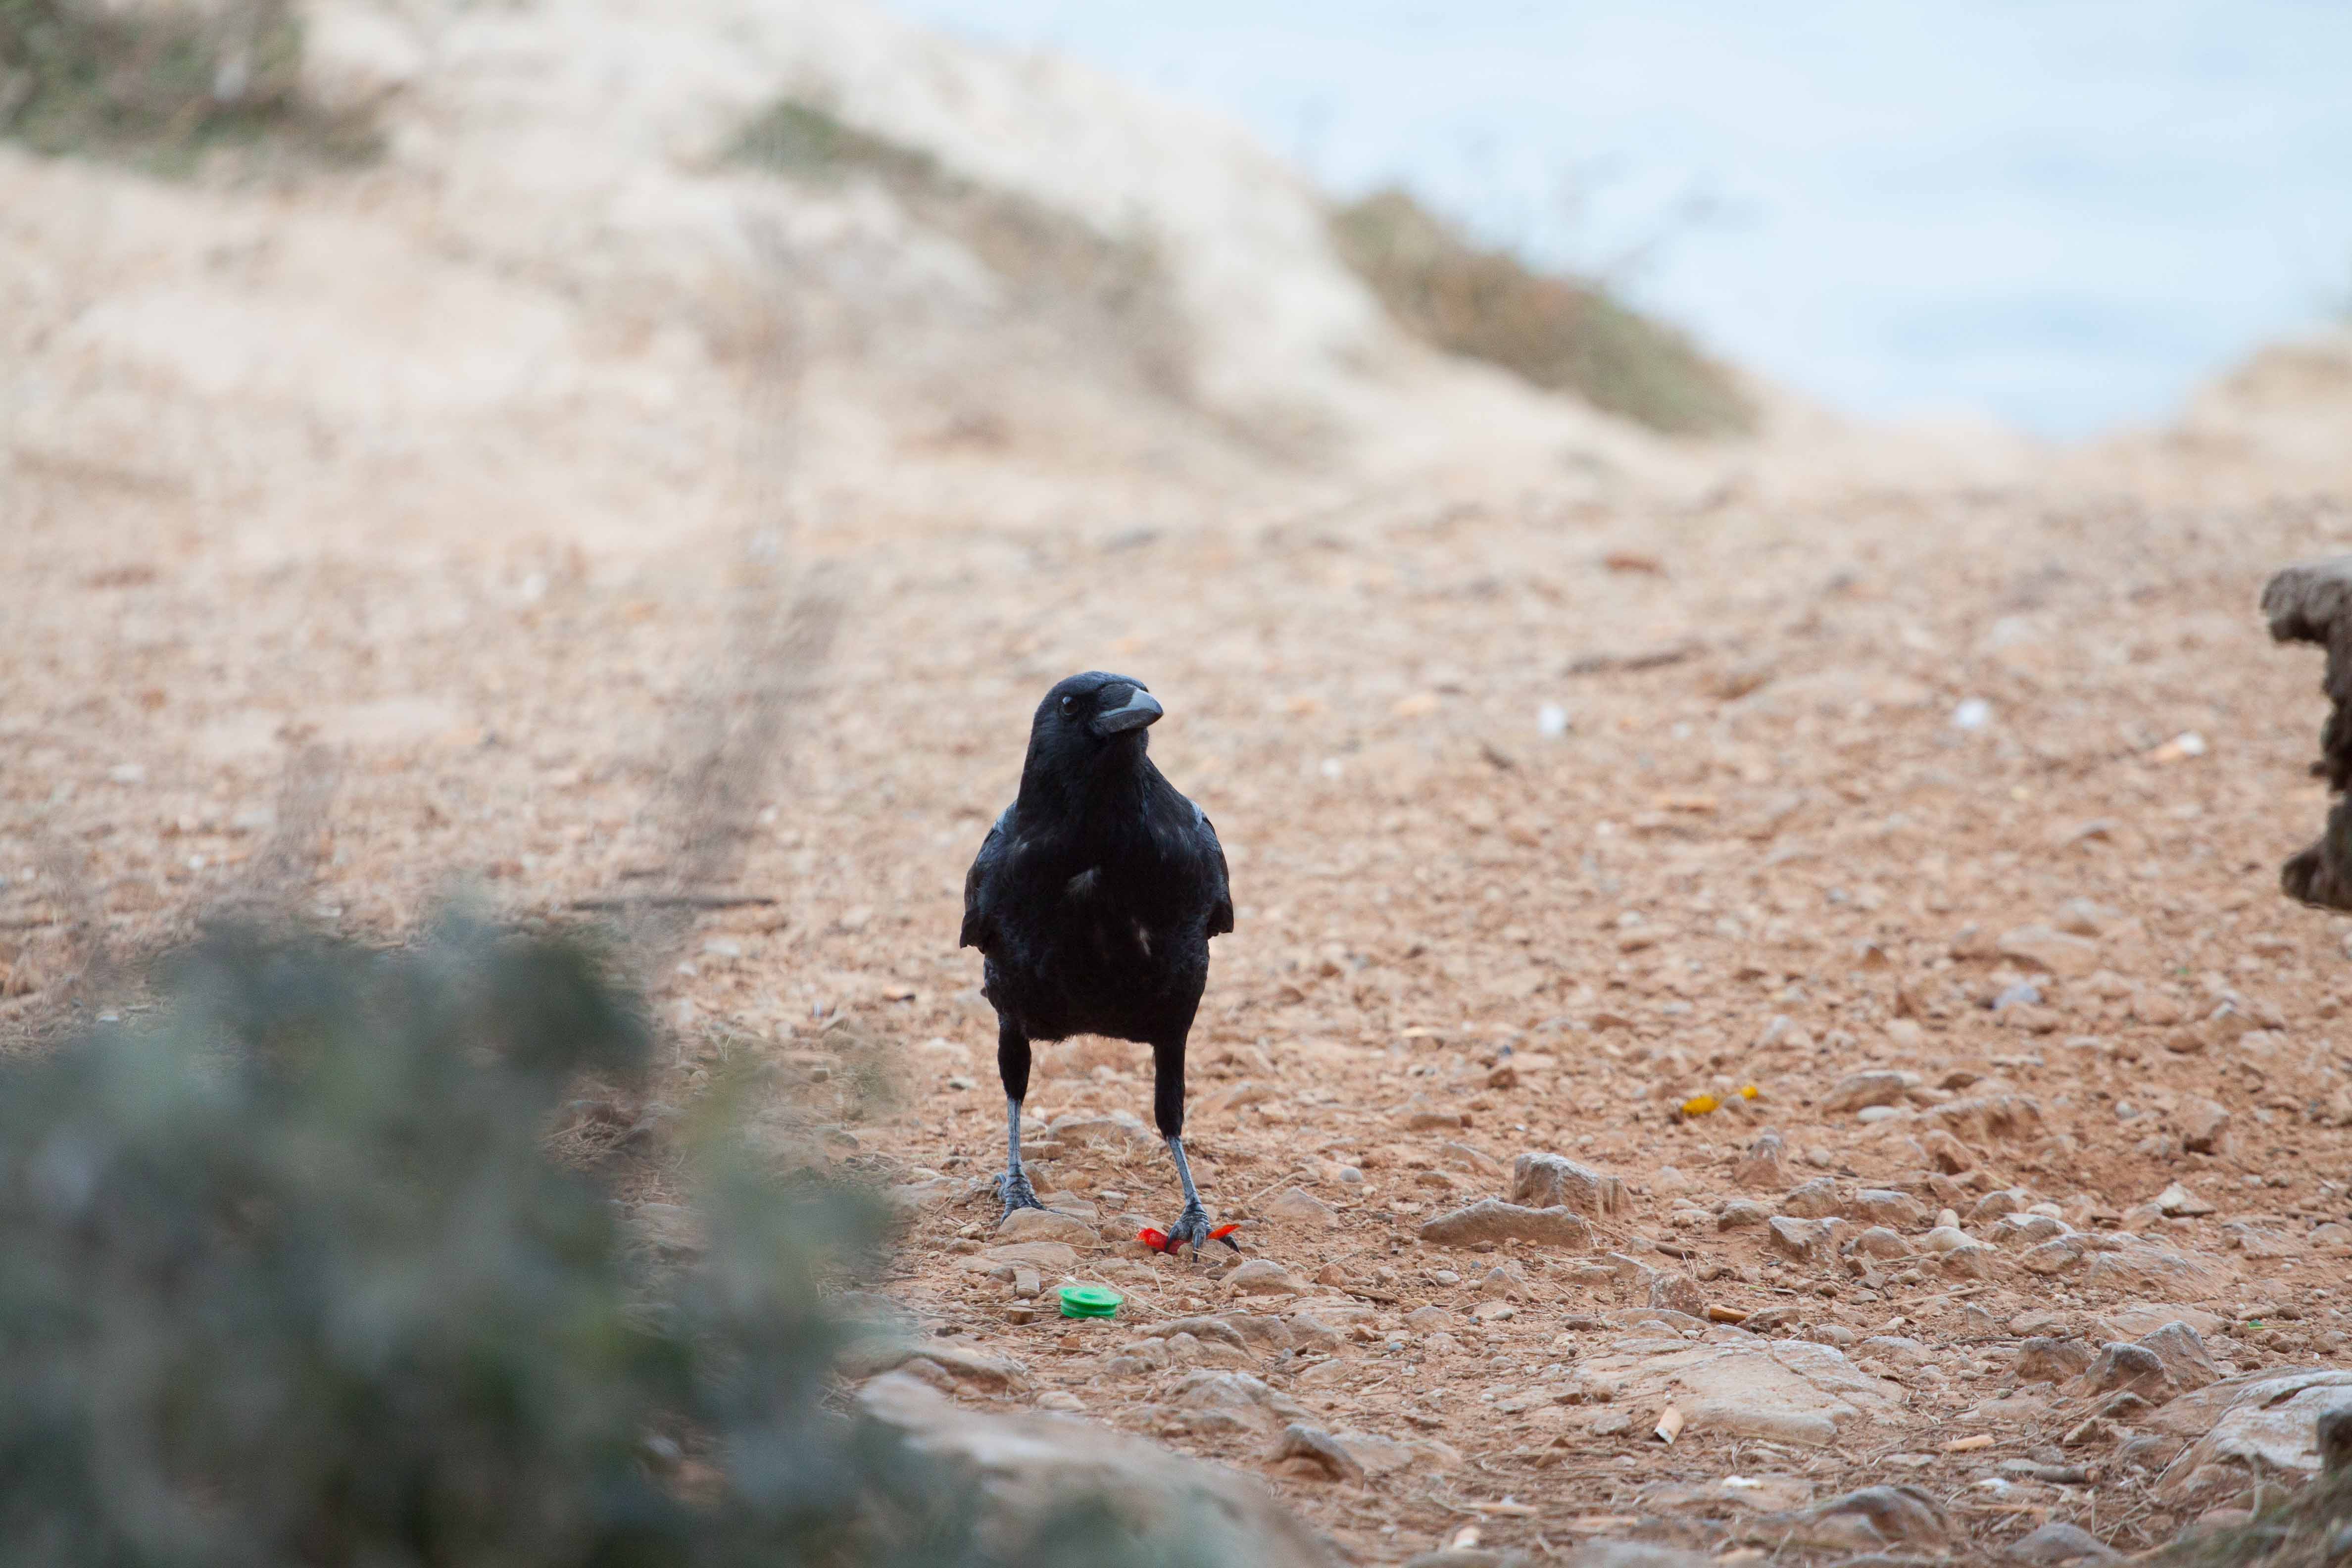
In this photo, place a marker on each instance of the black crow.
(1092, 902)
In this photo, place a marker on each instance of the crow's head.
(1088, 715)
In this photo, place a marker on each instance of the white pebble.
(1973, 713)
(1551, 720)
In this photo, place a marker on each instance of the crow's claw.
(1016, 1192)
(1193, 1229)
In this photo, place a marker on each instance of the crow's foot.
(1193, 1229)
(1014, 1187)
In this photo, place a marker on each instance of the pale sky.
(2061, 215)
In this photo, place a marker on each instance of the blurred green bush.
(287, 1277)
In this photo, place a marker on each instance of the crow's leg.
(1012, 1067)
(1192, 1227)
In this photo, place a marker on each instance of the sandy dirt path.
(1807, 772)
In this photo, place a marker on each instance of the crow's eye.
(1069, 706)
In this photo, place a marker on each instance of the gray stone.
(951, 1364)
(1762, 1167)
(1024, 1470)
(1678, 1293)
(2058, 1542)
(1314, 1444)
(1881, 1243)
(1313, 1332)
(1740, 1212)
(1951, 1157)
(1989, 1117)
(2143, 1269)
(2054, 1257)
(2256, 1424)
(2053, 1359)
(1118, 1128)
(2186, 1360)
(1199, 1328)
(2137, 1320)
(1237, 1392)
(2020, 1232)
(1503, 1282)
(1877, 1206)
(2130, 1369)
(1298, 1205)
(1783, 1391)
(1997, 1203)
(1420, 1114)
(1633, 1554)
(2051, 951)
(1053, 1258)
(2201, 1122)
(1490, 1219)
(1263, 1277)
(1044, 1224)
(1267, 1331)
(1873, 1086)
(1816, 1199)
(2081, 917)
(2179, 1202)
(1805, 1240)
(1972, 1262)
(1878, 1517)
(1554, 1181)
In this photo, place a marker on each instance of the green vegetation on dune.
(159, 88)
(1107, 290)
(1560, 333)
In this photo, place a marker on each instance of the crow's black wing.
(980, 894)
(1220, 903)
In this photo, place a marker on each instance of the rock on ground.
(1490, 1219)
(1554, 1181)
(1024, 1469)
(2056, 1542)
(1783, 1391)
(1044, 1224)
(1877, 1518)
(2258, 1424)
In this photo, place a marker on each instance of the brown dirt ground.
(1762, 808)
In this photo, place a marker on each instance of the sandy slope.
(507, 519)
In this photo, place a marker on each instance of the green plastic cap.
(1090, 1301)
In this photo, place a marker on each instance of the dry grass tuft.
(1560, 333)
(161, 88)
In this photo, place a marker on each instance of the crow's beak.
(1141, 709)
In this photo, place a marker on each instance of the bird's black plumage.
(1093, 901)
